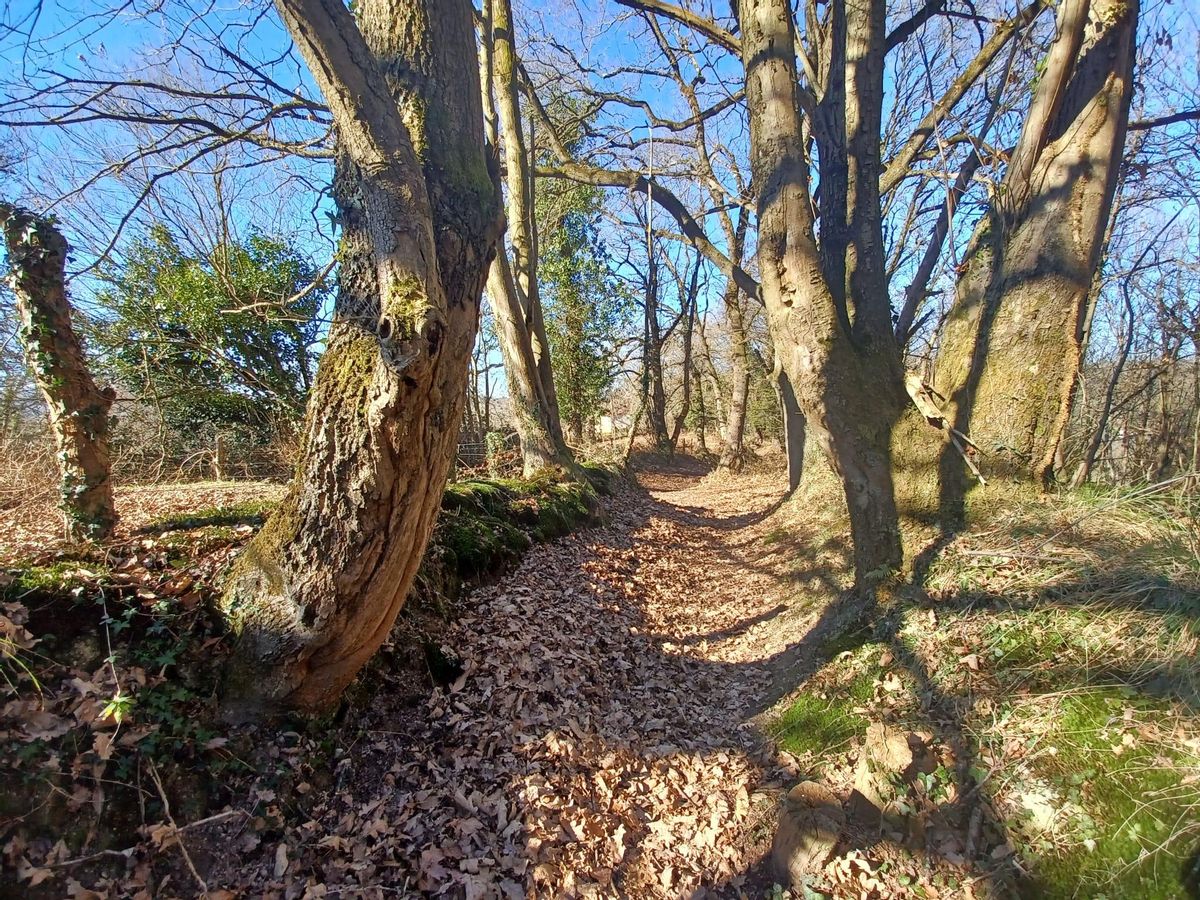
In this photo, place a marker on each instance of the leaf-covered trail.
(596, 742)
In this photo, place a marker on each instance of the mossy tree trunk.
(316, 592)
(1014, 342)
(688, 321)
(77, 409)
(827, 303)
(513, 281)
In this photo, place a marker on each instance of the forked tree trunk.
(827, 306)
(1014, 341)
(316, 592)
(76, 408)
(689, 326)
(513, 281)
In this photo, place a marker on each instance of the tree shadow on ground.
(946, 713)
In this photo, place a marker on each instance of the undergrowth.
(1052, 648)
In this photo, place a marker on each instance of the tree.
(77, 408)
(585, 308)
(1014, 343)
(226, 339)
(513, 282)
(826, 292)
(827, 301)
(316, 592)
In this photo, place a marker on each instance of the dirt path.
(596, 743)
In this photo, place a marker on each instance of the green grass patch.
(817, 726)
(486, 524)
(1124, 809)
(248, 512)
(55, 579)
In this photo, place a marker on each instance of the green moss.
(1130, 804)
(347, 369)
(817, 726)
(489, 498)
(406, 303)
(55, 579)
(563, 507)
(1017, 642)
(249, 512)
(486, 524)
(475, 544)
(602, 479)
(260, 560)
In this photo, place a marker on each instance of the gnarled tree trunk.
(316, 592)
(77, 409)
(1013, 344)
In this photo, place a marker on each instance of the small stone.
(810, 821)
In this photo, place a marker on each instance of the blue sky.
(179, 41)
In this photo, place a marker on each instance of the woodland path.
(598, 740)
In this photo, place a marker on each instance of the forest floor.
(623, 713)
(598, 740)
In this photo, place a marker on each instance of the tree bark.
(688, 313)
(733, 452)
(76, 408)
(1014, 341)
(513, 281)
(316, 592)
(652, 369)
(827, 305)
(794, 430)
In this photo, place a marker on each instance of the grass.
(53, 578)
(817, 726)
(1052, 649)
(820, 721)
(1120, 784)
(248, 512)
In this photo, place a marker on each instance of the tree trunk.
(532, 411)
(733, 452)
(316, 592)
(701, 411)
(689, 327)
(794, 431)
(827, 306)
(1014, 341)
(652, 369)
(513, 282)
(77, 409)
